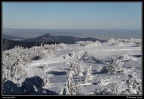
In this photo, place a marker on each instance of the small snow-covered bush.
(114, 66)
(134, 84)
(138, 43)
(115, 43)
(66, 56)
(111, 89)
(70, 55)
(97, 43)
(109, 69)
(77, 68)
(84, 43)
(82, 55)
(132, 40)
(126, 57)
(111, 40)
(81, 90)
(98, 68)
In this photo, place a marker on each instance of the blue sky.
(72, 15)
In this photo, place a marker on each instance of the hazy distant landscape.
(103, 34)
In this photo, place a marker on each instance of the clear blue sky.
(72, 15)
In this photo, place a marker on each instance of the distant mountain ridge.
(8, 44)
(61, 39)
(4, 36)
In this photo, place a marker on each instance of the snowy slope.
(115, 69)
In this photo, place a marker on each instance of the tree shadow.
(31, 86)
(57, 73)
(36, 58)
(137, 55)
(10, 88)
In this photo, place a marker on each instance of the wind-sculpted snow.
(84, 68)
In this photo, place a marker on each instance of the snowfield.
(84, 68)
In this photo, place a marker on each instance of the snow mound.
(126, 57)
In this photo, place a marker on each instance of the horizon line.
(78, 28)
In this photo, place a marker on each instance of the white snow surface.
(98, 56)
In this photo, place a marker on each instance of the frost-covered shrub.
(111, 40)
(14, 59)
(101, 82)
(115, 43)
(14, 73)
(134, 85)
(77, 68)
(98, 68)
(81, 90)
(123, 40)
(83, 56)
(102, 91)
(60, 90)
(126, 57)
(66, 56)
(138, 43)
(70, 55)
(109, 69)
(97, 43)
(84, 43)
(116, 62)
(114, 66)
(111, 89)
(45, 66)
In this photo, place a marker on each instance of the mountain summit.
(60, 39)
(47, 35)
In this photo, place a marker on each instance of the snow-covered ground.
(84, 68)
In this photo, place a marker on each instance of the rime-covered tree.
(88, 75)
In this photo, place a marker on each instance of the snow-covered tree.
(114, 66)
(88, 76)
(70, 87)
(18, 57)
